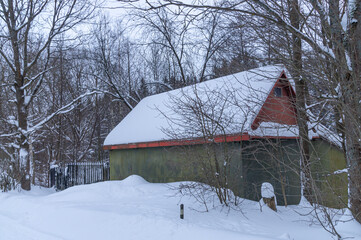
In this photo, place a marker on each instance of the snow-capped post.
(268, 196)
(182, 211)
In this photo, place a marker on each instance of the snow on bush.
(7, 180)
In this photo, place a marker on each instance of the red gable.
(279, 107)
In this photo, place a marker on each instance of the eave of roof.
(196, 141)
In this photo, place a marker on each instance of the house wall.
(158, 164)
(276, 162)
(331, 187)
(251, 164)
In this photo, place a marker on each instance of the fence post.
(182, 211)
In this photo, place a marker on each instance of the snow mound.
(267, 190)
(304, 203)
(134, 180)
(285, 236)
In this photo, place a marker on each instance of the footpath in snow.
(136, 209)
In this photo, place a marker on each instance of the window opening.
(278, 92)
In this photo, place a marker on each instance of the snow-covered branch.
(65, 109)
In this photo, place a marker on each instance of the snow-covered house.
(251, 114)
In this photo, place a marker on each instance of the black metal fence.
(79, 173)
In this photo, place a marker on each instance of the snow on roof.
(229, 105)
(317, 129)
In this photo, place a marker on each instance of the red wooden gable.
(279, 106)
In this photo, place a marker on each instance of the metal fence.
(78, 173)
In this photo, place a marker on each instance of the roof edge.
(196, 141)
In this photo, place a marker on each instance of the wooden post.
(182, 211)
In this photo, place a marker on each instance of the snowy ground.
(135, 209)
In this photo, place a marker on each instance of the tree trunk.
(353, 113)
(302, 119)
(24, 160)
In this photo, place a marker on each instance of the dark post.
(182, 211)
(52, 177)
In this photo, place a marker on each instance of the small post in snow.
(182, 211)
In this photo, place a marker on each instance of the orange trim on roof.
(184, 142)
(180, 142)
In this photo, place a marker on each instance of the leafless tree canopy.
(65, 84)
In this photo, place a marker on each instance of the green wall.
(153, 164)
(260, 161)
(273, 161)
(331, 188)
(250, 164)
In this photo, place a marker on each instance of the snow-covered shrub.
(7, 179)
(7, 183)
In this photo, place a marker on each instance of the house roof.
(229, 105)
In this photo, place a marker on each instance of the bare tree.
(188, 41)
(26, 51)
(115, 59)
